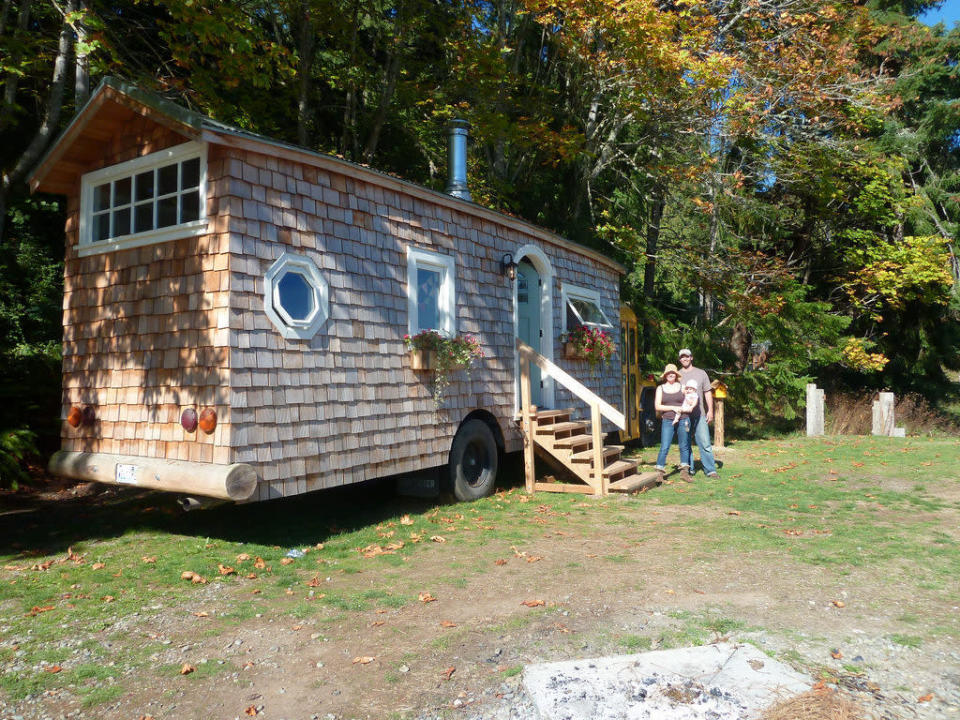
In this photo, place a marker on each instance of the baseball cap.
(685, 351)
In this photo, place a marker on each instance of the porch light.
(509, 266)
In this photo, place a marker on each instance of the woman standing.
(668, 402)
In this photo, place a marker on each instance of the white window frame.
(446, 298)
(568, 292)
(290, 327)
(178, 153)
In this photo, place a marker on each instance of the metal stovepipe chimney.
(457, 134)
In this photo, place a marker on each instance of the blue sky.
(949, 13)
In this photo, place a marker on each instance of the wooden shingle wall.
(345, 406)
(145, 332)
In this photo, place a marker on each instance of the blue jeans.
(704, 444)
(666, 438)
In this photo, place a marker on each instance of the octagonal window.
(295, 296)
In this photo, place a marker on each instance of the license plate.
(126, 474)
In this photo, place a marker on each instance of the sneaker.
(714, 475)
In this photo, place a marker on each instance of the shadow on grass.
(46, 527)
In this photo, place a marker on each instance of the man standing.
(702, 429)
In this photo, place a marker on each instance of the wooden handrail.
(572, 384)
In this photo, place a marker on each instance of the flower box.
(423, 359)
(571, 352)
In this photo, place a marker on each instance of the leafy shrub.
(15, 447)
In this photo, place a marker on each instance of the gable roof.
(115, 101)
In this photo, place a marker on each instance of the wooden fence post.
(814, 411)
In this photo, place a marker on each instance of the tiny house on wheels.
(235, 310)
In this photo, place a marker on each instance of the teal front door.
(528, 320)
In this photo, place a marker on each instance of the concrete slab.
(714, 682)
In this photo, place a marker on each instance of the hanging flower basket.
(429, 350)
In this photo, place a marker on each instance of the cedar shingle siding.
(152, 330)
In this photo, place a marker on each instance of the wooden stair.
(569, 442)
(575, 446)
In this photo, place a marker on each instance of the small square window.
(167, 180)
(431, 292)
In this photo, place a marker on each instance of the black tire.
(473, 461)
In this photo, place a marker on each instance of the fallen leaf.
(108, 598)
(405, 520)
(733, 512)
(447, 624)
(145, 717)
(256, 592)
(449, 672)
(98, 566)
(438, 538)
(836, 654)
(53, 668)
(395, 545)
(297, 628)
(533, 603)
(534, 558)
(243, 557)
(286, 561)
(252, 710)
(839, 603)
(42, 566)
(75, 557)
(378, 623)
(251, 576)
(187, 668)
(226, 570)
(925, 698)
(500, 561)
(364, 660)
(148, 560)
(35, 610)
(318, 546)
(259, 563)
(200, 614)
(426, 597)
(289, 591)
(313, 582)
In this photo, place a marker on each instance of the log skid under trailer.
(235, 482)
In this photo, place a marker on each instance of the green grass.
(844, 504)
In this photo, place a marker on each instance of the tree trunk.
(391, 74)
(348, 134)
(13, 80)
(51, 119)
(657, 204)
(307, 43)
(81, 80)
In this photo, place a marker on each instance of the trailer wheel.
(473, 461)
